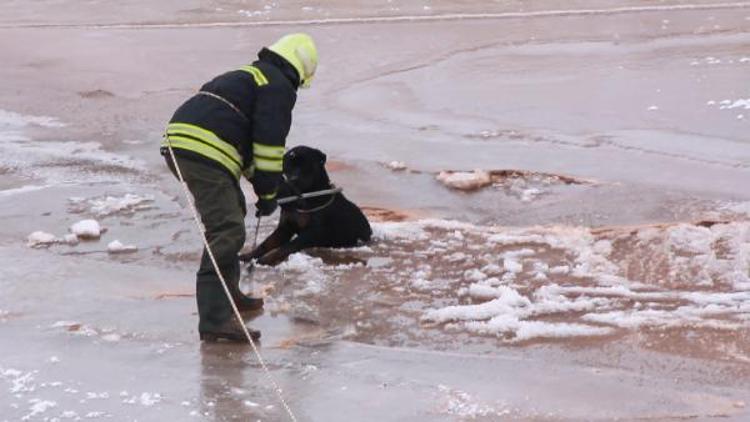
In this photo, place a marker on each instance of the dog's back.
(336, 221)
(339, 222)
(348, 224)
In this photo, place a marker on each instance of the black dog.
(329, 220)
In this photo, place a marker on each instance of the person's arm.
(271, 120)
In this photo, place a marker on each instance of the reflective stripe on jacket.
(204, 142)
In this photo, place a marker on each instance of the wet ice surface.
(625, 296)
(36, 165)
(392, 320)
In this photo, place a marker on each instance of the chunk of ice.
(116, 247)
(465, 180)
(40, 239)
(87, 229)
(396, 165)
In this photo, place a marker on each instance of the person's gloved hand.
(265, 207)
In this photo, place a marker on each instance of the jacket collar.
(267, 56)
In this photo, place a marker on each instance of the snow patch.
(695, 256)
(506, 315)
(38, 406)
(397, 231)
(55, 163)
(149, 399)
(682, 316)
(9, 119)
(144, 399)
(80, 329)
(396, 165)
(70, 239)
(315, 278)
(474, 275)
(39, 239)
(522, 284)
(738, 208)
(528, 195)
(727, 104)
(21, 382)
(463, 406)
(484, 291)
(110, 205)
(741, 103)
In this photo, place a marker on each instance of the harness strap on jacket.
(226, 102)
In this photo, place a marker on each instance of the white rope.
(202, 231)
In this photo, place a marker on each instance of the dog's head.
(304, 169)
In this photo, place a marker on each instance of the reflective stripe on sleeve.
(264, 164)
(270, 152)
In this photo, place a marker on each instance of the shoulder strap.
(225, 101)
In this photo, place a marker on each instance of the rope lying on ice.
(202, 231)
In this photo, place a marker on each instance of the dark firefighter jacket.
(239, 122)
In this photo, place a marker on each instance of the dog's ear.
(321, 157)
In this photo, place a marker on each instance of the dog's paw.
(272, 258)
(266, 260)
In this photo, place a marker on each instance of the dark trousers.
(221, 206)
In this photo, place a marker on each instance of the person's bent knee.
(227, 243)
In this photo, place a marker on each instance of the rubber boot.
(247, 304)
(229, 331)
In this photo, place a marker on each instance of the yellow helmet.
(300, 51)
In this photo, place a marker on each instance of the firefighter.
(235, 126)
